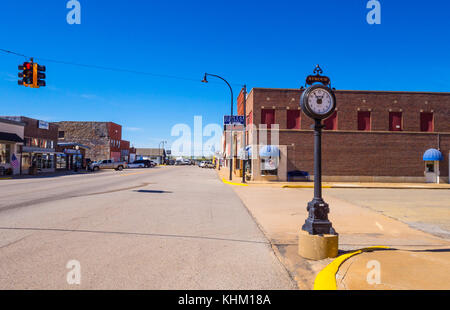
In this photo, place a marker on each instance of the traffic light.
(26, 75)
(32, 75)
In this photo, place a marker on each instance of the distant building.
(157, 155)
(103, 139)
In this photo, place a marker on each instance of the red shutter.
(293, 119)
(364, 121)
(426, 122)
(331, 122)
(395, 121)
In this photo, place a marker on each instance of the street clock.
(318, 101)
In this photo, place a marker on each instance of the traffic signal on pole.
(32, 75)
(26, 75)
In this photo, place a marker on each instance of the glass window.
(331, 122)
(5, 153)
(426, 122)
(395, 121)
(269, 166)
(364, 120)
(293, 119)
(268, 117)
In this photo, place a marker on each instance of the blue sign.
(235, 120)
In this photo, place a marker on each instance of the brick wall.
(92, 134)
(349, 152)
(32, 130)
(365, 153)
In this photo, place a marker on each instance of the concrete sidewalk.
(280, 212)
(224, 174)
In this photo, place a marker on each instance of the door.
(431, 172)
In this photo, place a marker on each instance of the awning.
(432, 155)
(10, 137)
(269, 151)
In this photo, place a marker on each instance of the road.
(162, 228)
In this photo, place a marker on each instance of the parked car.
(202, 164)
(208, 164)
(147, 163)
(136, 165)
(108, 164)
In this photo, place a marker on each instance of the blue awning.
(269, 151)
(432, 155)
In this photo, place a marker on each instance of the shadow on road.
(152, 191)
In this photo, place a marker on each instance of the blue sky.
(259, 43)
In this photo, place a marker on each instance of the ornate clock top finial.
(318, 70)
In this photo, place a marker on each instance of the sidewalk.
(280, 213)
(223, 173)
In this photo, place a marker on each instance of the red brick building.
(373, 136)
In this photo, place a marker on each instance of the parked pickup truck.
(108, 164)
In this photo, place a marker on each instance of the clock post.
(318, 239)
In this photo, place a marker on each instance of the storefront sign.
(43, 125)
(70, 151)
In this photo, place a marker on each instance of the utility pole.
(244, 138)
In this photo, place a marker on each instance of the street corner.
(384, 268)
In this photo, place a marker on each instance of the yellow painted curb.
(303, 186)
(326, 279)
(231, 183)
(5, 178)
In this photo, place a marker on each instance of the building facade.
(102, 139)
(38, 152)
(372, 136)
(11, 142)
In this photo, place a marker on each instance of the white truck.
(108, 164)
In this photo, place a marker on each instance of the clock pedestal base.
(315, 247)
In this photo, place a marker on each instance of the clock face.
(320, 101)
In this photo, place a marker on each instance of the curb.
(326, 279)
(303, 186)
(231, 183)
(364, 187)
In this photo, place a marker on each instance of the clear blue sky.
(260, 43)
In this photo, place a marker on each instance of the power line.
(106, 68)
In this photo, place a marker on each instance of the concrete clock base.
(316, 247)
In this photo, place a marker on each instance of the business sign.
(71, 151)
(234, 120)
(43, 125)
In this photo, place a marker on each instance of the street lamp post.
(162, 153)
(205, 80)
(244, 138)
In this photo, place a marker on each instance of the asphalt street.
(162, 228)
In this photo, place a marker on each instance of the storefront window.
(5, 153)
(269, 166)
(61, 161)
